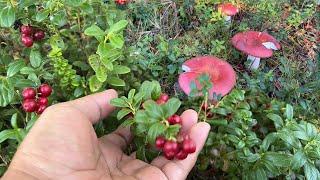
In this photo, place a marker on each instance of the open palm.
(63, 145)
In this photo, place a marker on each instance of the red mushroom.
(228, 9)
(221, 74)
(256, 45)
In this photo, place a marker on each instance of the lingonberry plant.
(152, 117)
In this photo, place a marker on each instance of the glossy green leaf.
(311, 172)
(122, 113)
(14, 121)
(118, 69)
(42, 15)
(277, 120)
(299, 159)
(171, 107)
(15, 67)
(94, 30)
(101, 73)
(94, 62)
(116, 40)
(118, 26)
(94, 84)
(154, 131)
(289, 112)
(114, 81)
(6, 93)
(35, 58)
(119, 102)
(7, 16)
(7, 134)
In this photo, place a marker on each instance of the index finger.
(96, 106)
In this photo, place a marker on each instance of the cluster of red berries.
(121, 2)
(176, 149)
(36, 100)
(28, 35)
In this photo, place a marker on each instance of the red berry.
(42, 101)
(29, 93)
(45, 90)
(169, 155)
(39, 35)
(41, 108)
(29, 105)
(160, 101)
(174, 119)
(26, 30)
(209, 115)
(164, 97)
(171, 146)
(160, 141)
(27, 41)
(204, 106)
(188, 146)
(181, 155)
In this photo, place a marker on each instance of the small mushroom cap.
(228, 9)
(254, 43)
(221, 74)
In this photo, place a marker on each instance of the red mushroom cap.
(252, 43)
(221, 74)
(228, 9)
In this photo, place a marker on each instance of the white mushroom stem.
(227, 19)
(253, 62)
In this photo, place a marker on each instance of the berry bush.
(249, 68)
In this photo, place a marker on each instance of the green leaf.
(94, 30)
(298, 160)
(59, 18)
(101, 73)
(278, 122)
(171, 107)
(118, 69)
(154, 131)
(14, 121)
(74, 3)
(131, 94)
(114, 81)
(42, 15)
(35, 58)
(153, 110)
(118, 26)
(108, 53)
(94, 62)
(6, 93)
(173, 130)
(94, 84)
(311, 172)
(268, 140)
(116, 40)
(122, 113)
(119, 102)
(289, 112)
(260, 174)
(7, 16)
(27, 70)
(278, 159)
(22, 83)
(141, 117)
(127, 123)
(7, 134)
(15, 67)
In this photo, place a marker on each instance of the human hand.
(63, 145)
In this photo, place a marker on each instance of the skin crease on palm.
(63, 145)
